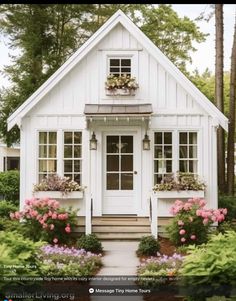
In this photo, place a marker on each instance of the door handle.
(135, 172)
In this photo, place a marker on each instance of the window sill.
(120, 92)
(59, 194)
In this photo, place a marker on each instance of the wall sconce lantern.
(146, 142)
(93, 142)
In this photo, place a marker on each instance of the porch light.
(93, 142)
(146, 142)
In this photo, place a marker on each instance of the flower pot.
(174, 194)
(120, 92)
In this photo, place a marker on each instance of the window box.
(120, 92)
(59, 194)
(174, 194)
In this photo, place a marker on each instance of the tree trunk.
(219, 85)
(231, 134)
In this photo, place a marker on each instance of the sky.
(203, 58)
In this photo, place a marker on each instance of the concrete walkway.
(119, 260)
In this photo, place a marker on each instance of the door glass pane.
(112, 181)
(112, 144)
(126, 144)
(127, 181)
(126, 163)
(112, 163)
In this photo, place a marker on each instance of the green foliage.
(206, 84)
(226, 226)
(6, 208)
(90, 243)
(215, 261)
(228, 202)
(47, 34)
(19, 251)
(148, 246)
(10, 185)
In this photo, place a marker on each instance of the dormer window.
(120, 66)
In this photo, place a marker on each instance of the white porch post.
(88, 220)
(154, 223)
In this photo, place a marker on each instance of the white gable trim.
(118, 17)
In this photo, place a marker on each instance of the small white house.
(9, 157)
(73, 106)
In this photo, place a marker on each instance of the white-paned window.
(47, 160)
(73, 155)
(188, 158)
(163, 155)
(119, 66)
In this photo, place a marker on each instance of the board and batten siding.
(62, 109)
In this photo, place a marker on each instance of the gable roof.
(118, 17)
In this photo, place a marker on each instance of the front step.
(121, 227)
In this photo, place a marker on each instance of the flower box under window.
(59, 194)
(121, 92)
(174, 194)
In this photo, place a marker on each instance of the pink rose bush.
(192, 221)
(44, 219)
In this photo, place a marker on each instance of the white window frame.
(163, 146)
(46, 158)
(60, 150)
(104, 66)
(72, 158)
(109, 58)
(175, 148)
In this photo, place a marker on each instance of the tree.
(47, 34)
(219, 87)
(232, 107)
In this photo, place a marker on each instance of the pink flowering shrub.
(44, 219)
(192, 221)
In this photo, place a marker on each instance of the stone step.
(120, 236)
(121, 229)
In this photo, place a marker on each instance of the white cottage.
(72, 107)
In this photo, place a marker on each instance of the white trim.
(118, 17)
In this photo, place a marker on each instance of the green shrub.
(16, 250)
(226, 226)
(211, 263)
(10, 185)
(228, 202)
(148, 246)
(90, 243)
(6, 208)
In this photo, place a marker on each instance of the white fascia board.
(63, 70)
(202, 100)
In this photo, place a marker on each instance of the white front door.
(120, 175)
